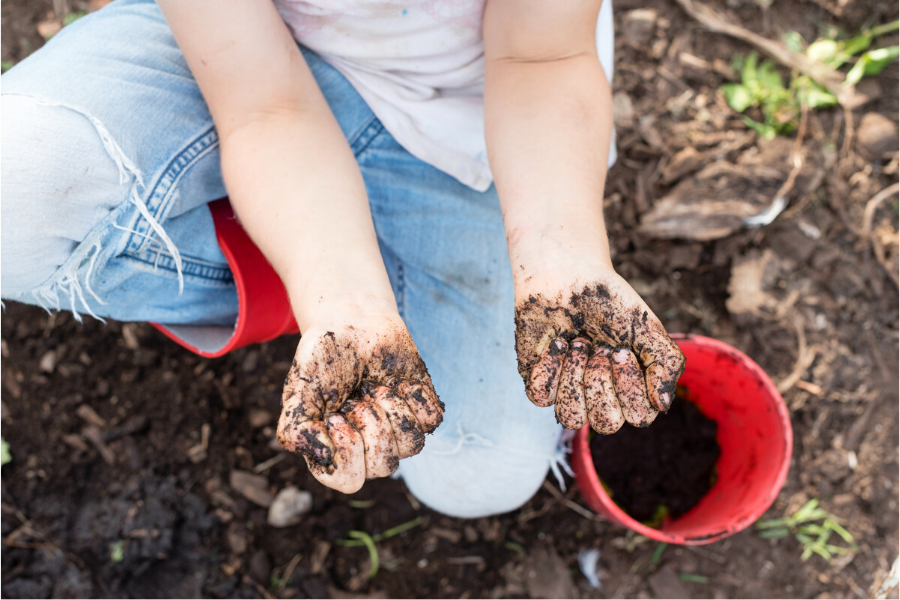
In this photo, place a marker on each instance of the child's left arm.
(585, 340)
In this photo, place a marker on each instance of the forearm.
(298, 191)
(548, 127)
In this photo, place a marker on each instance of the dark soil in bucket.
(662, 470)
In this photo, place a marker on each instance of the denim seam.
(189, 267)
(366, 137)
(163, 190)
(401, 289)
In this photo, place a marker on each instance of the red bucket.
(754, 434)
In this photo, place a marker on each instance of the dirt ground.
(110, 494)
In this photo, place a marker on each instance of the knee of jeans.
(474, 480)
(60, 178)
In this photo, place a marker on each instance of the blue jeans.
(109, 159)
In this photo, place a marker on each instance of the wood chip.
(75, 441)
(93, 434)
(254, 488)
(90, 416)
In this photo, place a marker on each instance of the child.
(360, 161)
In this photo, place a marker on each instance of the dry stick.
(824, 75)
(866, 234)
(573, 505)
(805, 358)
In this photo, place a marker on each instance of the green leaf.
(872, 63)
(765, 130)
(738, 96)
(748, 70)
(778, 532)
(822, 50)
(693, 578)
(6, 65)
(117, 551)
(815, 96)
(72, 17)
(5, 456)
(769, 77)
(845, 535)
(370, 546)
(856, 45)
(657, 554)
(794, 41)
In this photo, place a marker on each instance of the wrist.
(546, 255)
(334, 297)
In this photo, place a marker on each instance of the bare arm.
(586, 342)
(295, 184)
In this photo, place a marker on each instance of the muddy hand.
(597, 353)
(356, 401)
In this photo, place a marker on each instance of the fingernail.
(621, 356)
(665, 400)
(557, 347)
(579, 343)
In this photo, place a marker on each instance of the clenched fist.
(595, 351)
(356, 401)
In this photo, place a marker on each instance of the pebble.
(876, 135)
(48, 362)
(289, 507)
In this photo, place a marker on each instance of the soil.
(133, 504)
(670, 464)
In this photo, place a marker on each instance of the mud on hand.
(355, 402)
(598, 354)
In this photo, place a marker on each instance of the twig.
(805, 358)
(824, 75)
(780, 201)
(873, 204)
(866, 233)
(572, 505)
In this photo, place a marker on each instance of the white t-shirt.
(419, 65)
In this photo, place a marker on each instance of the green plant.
(72, 17)
(5, 456)
(117, 551)
(814, 536)
(361, 538)
(6, 65)
(763, 88)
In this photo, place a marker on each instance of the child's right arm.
(298, 191)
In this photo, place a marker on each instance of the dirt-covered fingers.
(631, 389)
(543, 383)
(347, 472)
(663, 374)
(373, 424)
(603, 410)
(300, 427)
(571, 410)
(407, 432)
(423, 402)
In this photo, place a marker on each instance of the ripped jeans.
(110, 157)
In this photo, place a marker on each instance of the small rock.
(251, 361)
(623, 110)
(547, 576)
(260, 567)
(470, 533)
(47, 363)
(237, 538)
(665, 584)
(259, 418)
(876, 135)
(254, 488)
(639, 25)
(289, 507)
